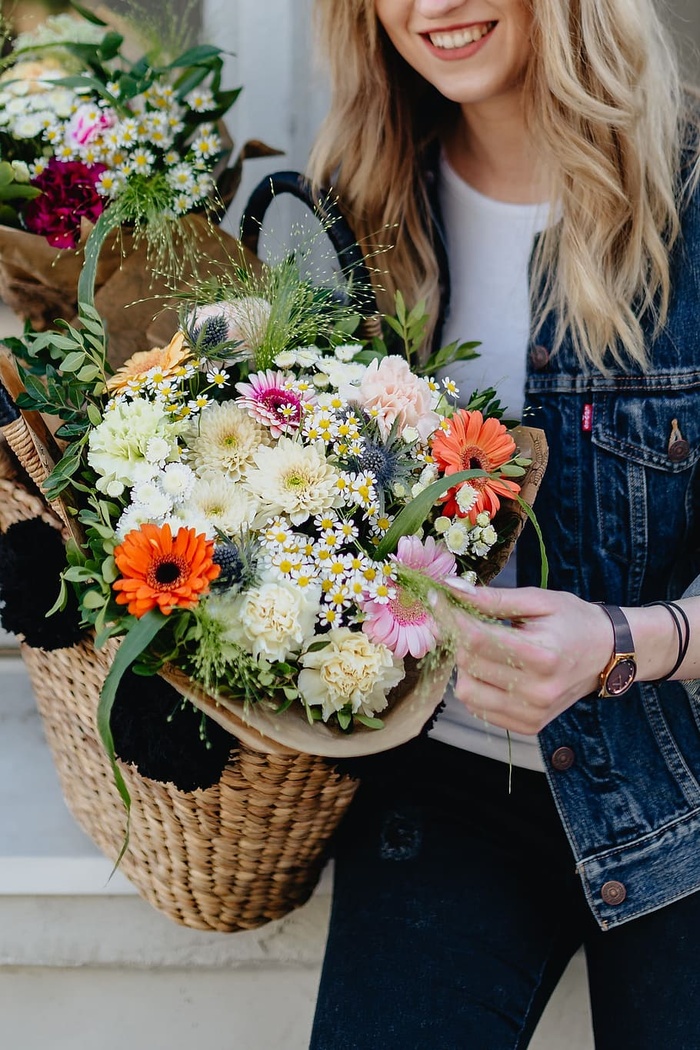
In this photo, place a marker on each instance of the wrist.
(655, 641)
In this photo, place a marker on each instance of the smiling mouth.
(452, 39)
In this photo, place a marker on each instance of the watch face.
(621, 677)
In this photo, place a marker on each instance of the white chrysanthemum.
(156, 503)
(224, 507)
(350, 670)
(295, 480)
(227, 441)
(274, 619)
(133, 517)
(117, 447)
(177, 480)
(347, 351)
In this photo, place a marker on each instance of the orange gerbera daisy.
(166, 359)
(473, 443)
(162, 571)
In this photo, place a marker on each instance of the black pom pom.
(32, 557)
(160, 734)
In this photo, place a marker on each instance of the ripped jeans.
(457, 908)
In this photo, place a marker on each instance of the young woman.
(539, 159)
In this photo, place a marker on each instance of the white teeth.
(460, 37)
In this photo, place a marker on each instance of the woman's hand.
(522, 676)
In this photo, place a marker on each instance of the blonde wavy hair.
(605, 105)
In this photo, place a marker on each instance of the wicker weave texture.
(232, 857)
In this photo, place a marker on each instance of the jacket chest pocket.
(646, 450)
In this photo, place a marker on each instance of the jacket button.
(539, 357)
(678, 450)
(613, 892)
(563, 758)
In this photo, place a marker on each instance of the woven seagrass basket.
(232, 857)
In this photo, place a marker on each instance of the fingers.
(504, 603)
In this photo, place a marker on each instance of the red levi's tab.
(587, 419)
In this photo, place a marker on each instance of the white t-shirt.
(489, 244)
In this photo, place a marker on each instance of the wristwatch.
(621, 669)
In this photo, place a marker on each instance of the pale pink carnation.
(269, 399)
(88, 122)
(390, 391)
(403, 624)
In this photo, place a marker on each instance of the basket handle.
(336, 227)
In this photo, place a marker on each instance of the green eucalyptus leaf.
(512, 470)
(73, 361)
(371, 723)
(94, 415)
(93, 599)
(88, 373)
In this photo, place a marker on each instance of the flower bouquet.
(91, 140)
(266, 504)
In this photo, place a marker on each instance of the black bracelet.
(677, 613)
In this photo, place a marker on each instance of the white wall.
(284, 97)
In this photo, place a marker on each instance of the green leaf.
(94, 415)
(73, 361)
(344, 719)
(139, 637)
(544, 570)
(88, 15)
(316, 647)
(108, 221)
(410, 519)
(88, 373)
(61, 600)
(400, 304)
(512, 470)
(371, 723)
(93, 599)
(196, 56)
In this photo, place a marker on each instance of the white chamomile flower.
(450, 387)
(466, 497)
(142, 161)
(200, 100)
(218, 378)
(207, 143)
(457, 537)
(181, 177)
(198, 403)
(182, 203)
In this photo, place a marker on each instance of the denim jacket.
(619, 508)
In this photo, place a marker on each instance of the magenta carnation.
(271, 401)
(69, 194)
(403, 624)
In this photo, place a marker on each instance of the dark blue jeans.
(456, 909)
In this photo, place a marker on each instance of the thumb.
(503, 603)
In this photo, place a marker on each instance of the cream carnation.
(294, 479)
(390, 392)
(350, 670)
(273, 619)
(226, 441)
(118, 446)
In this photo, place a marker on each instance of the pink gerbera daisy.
(403, 623)
(269, 399)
